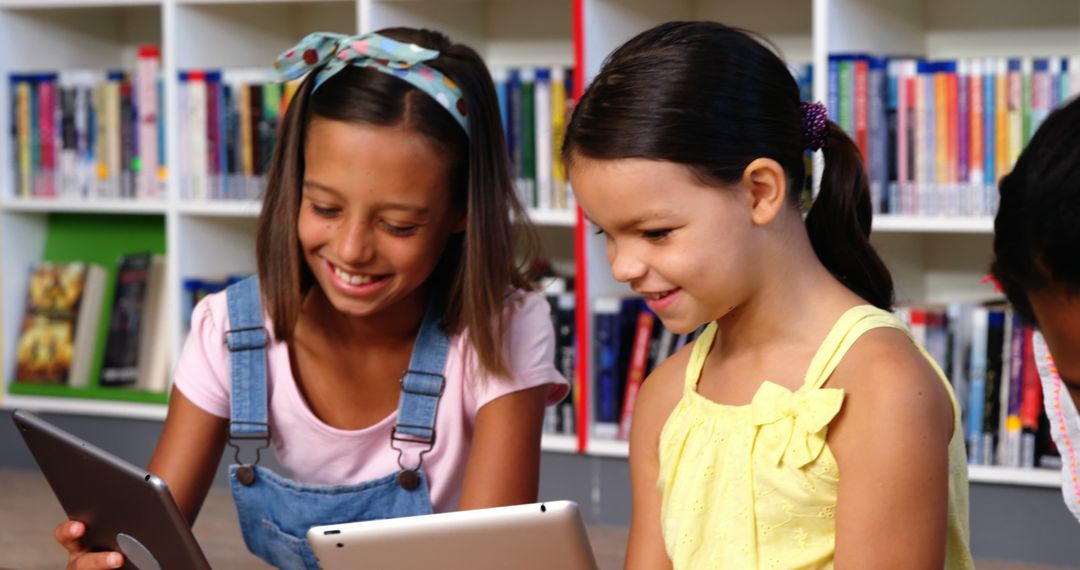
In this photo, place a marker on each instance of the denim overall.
(276, 513)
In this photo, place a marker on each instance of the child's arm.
(891, 445)
(504, 463)
(188, 453)
(659, 394)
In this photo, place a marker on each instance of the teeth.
(353, 279)
(656, 296)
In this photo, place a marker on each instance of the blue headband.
(330, 53)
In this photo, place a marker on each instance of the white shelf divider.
(84, 407)
(556, 218)
(558, 443)
(87, 206)
(608, 448)
(1014, 476)
(221, 208)
(892, 223)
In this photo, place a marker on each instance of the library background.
(136, 132)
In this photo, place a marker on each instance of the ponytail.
(839, 223)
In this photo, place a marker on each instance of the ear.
(767, 185)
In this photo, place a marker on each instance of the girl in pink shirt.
(400, 366)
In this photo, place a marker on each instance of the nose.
(355, 242)
(625, 265)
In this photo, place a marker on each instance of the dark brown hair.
(477, 270)
(1036, 231)
(714, 98)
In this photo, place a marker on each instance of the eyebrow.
(636, 220)
(412, 208)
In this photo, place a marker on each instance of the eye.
(325, 212)
(400, 231)
(655, 235)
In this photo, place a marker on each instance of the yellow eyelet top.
(754, 486)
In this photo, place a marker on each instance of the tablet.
(124, 508)
(539, 536)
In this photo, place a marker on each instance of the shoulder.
(892, 388)
(519, 305)
(659, 395)
(210, 317)
(528, 345)
(526, 323)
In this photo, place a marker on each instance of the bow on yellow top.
(792, 425)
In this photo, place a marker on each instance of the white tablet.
(125, 509)
(540, 536)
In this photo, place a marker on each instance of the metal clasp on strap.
(247, 338)
(428, 440)
(263, 436)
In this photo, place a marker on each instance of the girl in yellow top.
(804, 428)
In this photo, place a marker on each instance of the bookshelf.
(934, 259)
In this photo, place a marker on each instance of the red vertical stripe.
(580, 259)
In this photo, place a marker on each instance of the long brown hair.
(477, 269)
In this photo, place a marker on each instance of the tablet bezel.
(110, 496)
(537, 536)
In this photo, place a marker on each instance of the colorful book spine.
(1015, 110)
(976, 115)
(977, 385)
(542, 130)
(860, 109)
(1002, 120)
(558, 132)
(639, 355)
(213, 134)
(147, 69)
(605, 421)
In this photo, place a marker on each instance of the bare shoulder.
(889, 385)
(660, 393)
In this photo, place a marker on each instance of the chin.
(682, 325)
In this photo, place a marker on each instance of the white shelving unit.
(932, 259)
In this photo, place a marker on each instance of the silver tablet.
(124, 508)
(539, 536)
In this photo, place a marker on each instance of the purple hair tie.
(814, 116)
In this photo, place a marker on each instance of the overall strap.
(702, 346)
(422, 385)
(247, 339)
(848, 328)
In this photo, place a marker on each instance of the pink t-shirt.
(317, 453)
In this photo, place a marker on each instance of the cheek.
(313, 231)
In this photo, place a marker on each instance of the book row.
(61, 324)
(936, 136)
(89, 134)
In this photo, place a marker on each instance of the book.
(153, 368)
(638, 360)
(59, 329)
(127, 347)
(563, 306)
(605, 393)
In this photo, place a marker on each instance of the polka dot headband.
(814, 116)
(329, 53)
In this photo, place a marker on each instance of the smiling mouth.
(659, 295)
(355, 278)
